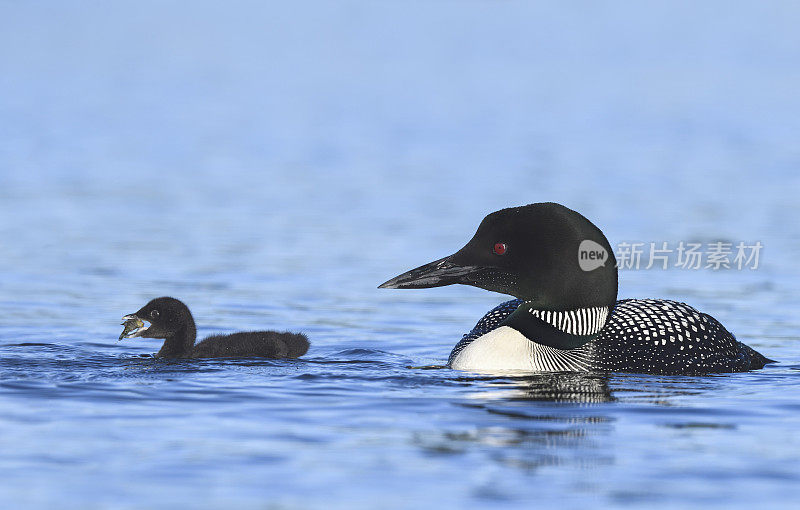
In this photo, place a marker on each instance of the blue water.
(271, 164)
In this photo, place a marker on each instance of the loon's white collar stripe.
(583, 321)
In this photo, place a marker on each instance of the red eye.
(500, 248)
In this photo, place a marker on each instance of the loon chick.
(567, 317)
(171, 320)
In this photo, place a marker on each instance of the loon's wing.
(487, 323)
(660, 336)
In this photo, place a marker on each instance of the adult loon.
(171, 320)
(567, 317)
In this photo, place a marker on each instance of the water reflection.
(550, 387)
(532, 422)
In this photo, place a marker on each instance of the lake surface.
(270, 165)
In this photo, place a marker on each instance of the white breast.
(506, 349)
(503, 348)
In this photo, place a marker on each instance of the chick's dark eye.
(154, 314)
(500, 248)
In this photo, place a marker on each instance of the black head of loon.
(530, 252)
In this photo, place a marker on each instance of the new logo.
(591, 255)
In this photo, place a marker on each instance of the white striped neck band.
(582, 321)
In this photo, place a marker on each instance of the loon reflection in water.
(577, 387)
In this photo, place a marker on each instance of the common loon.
(171, 320)
(567, 317)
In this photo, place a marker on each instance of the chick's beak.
(134, 327)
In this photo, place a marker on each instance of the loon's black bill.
(134, 327)
(436, 274)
